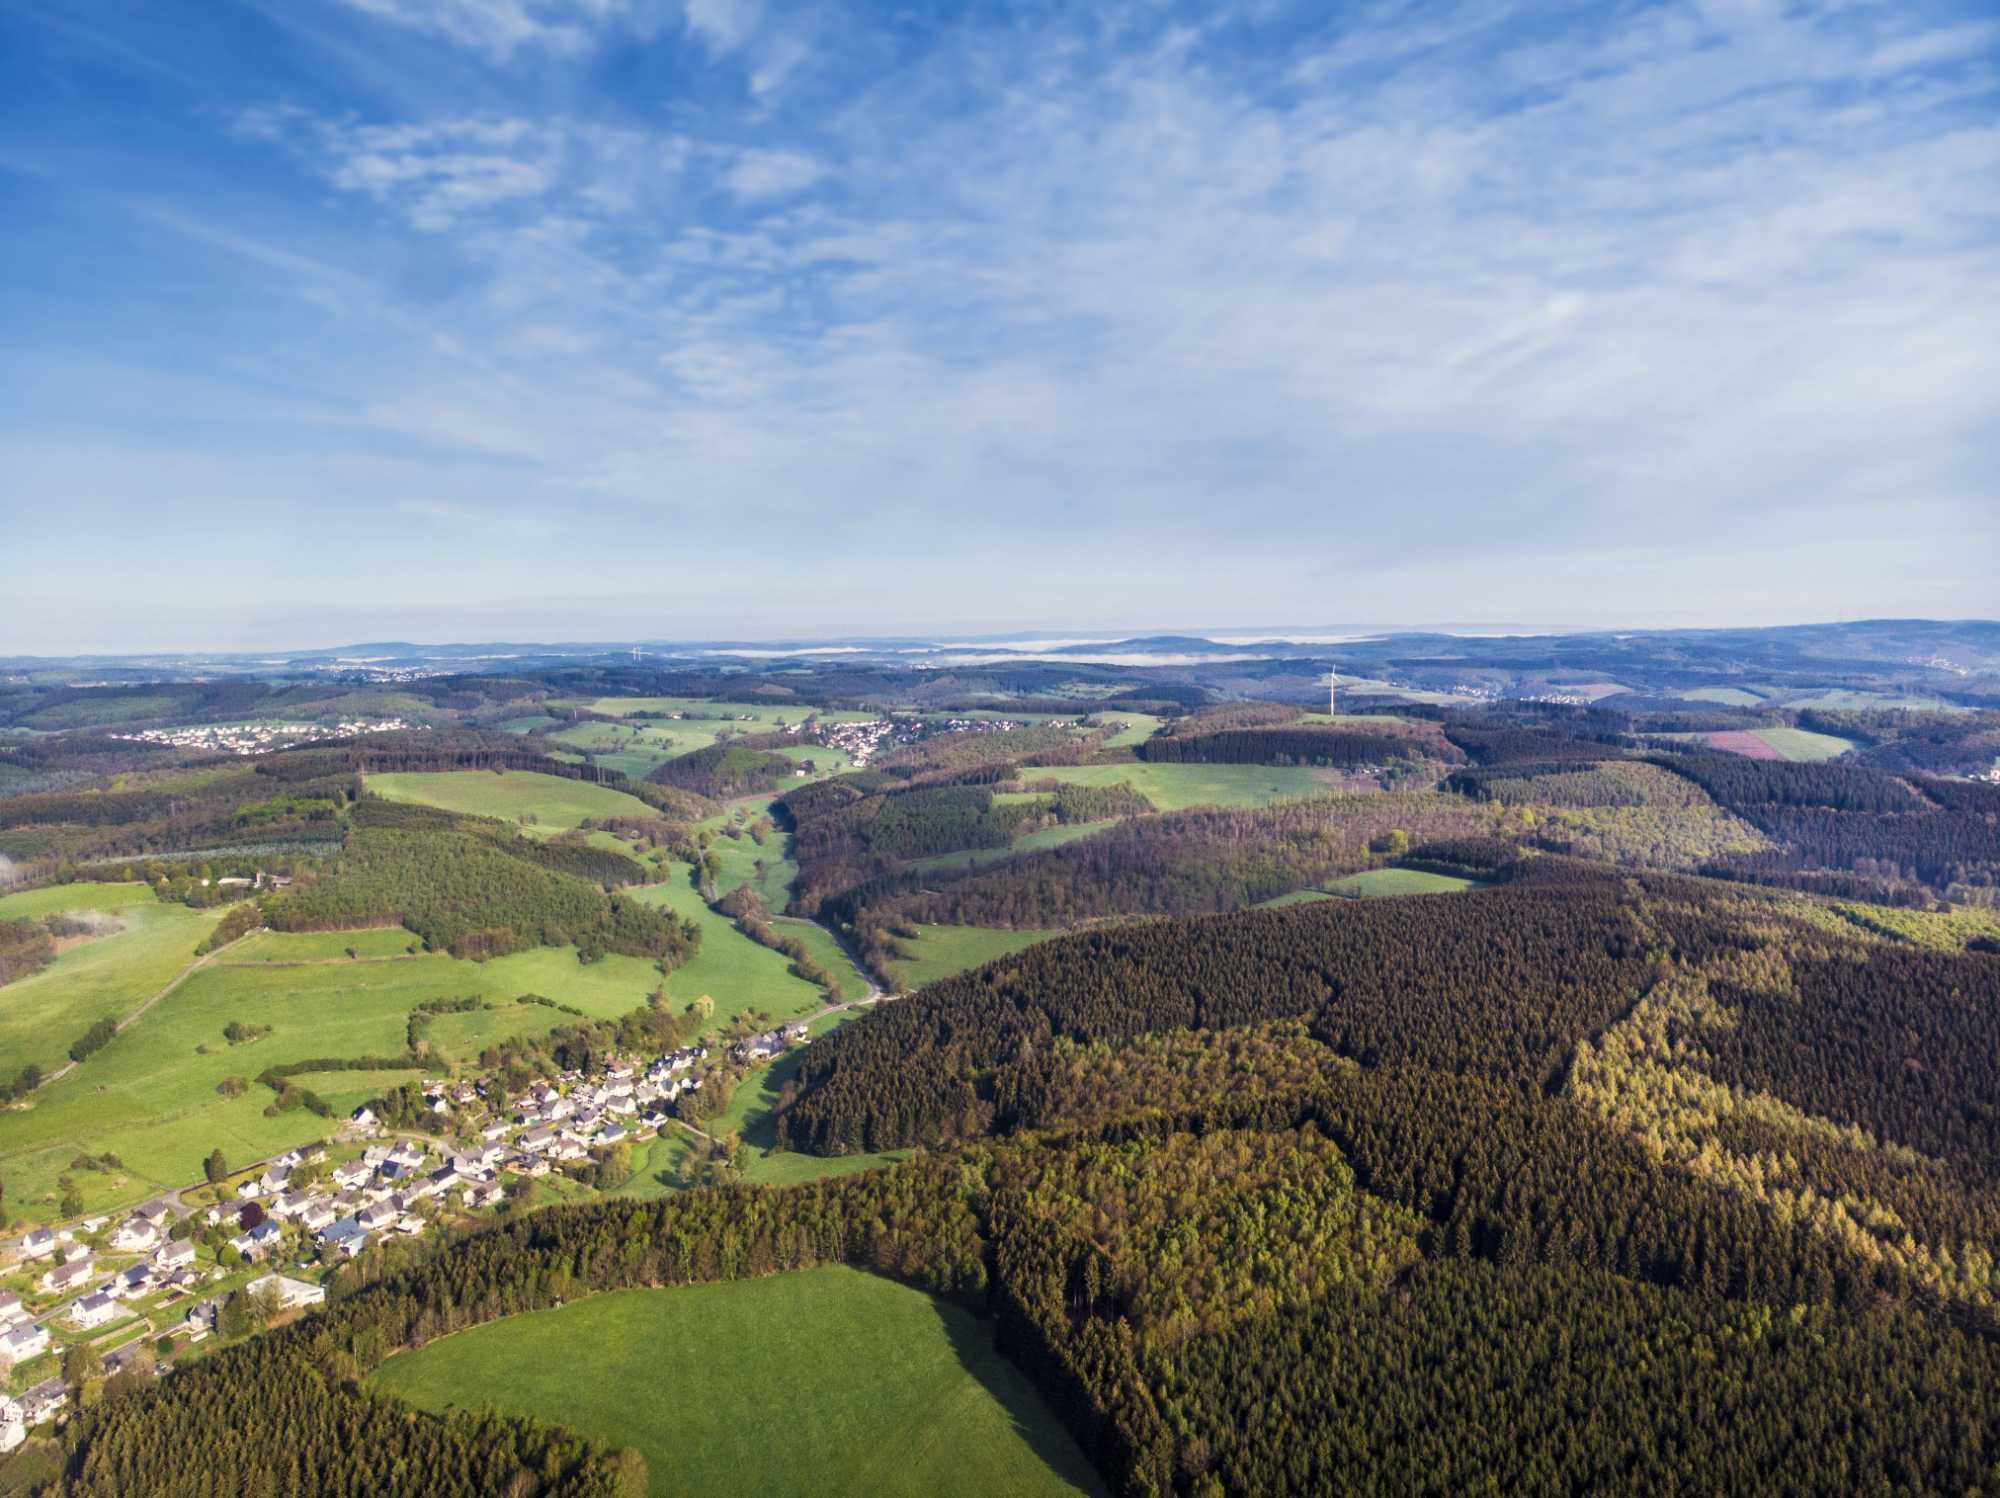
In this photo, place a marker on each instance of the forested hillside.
(1657, 1150)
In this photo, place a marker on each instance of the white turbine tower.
(1332, 680)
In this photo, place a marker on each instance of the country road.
(133, 1018)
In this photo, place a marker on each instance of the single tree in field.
(215, 1167)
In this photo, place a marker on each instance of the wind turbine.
(1332, 680)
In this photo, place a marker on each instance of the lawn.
(819, 1381)
(1177, 787)
(944, 950)
(512, 796)
(1397, 882)
(104, 976)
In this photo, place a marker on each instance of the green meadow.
(150, 1096)
(941, 951)
(1028, 842)
(1178, 787)
(1374, 882)
(101, 977)
(1135, 728)
(730, 968)
(323, 946)
(511, 796)
(1724, 696)
(814, 1382)
(1800, 744)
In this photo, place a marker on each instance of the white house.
(67, 1276)
(24, 1340)
(137, 1236)
(483, 1194)
(291, 1293)
(363, 1117)
(38, 1245)
(93, 1310)
(172, 1256)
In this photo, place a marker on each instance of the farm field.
(1801, 744)
(149, 1096)
(1296, 897)
(1178, 787)
(1374, 882)
(1028, 842)
(901, 1394)
(1795, 744)
(104, 976)
(1722, 696)
(732, 969)
(511, 796)
(321, 946)
(944, 950)
(1138, 728)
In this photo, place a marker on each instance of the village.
(257, 738)
(106, 1298)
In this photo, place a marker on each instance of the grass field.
(1800, 745)
(105, 976)
(1138, 727)
(1030, 842)
(730, 968)
(1724, 696)
(1177, 787)
(150, 1096)
(944, 950)
(512, 796)
(821, 1381)
(1296, 897)
(1397, 882)
(322, 946)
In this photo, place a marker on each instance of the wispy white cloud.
(759, 174)
(1440, 297)
(500, 28)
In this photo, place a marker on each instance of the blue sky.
(330, 320)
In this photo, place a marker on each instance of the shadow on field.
(1032, 1416)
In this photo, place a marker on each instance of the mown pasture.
(1174, 787)
(151, 1097)
(519, 796)
(940, 951)
(818, 1381)
(100, 977)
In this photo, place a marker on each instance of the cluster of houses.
(168, 1263)
(771, 1043)
(256, 738)
(356, 1202)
